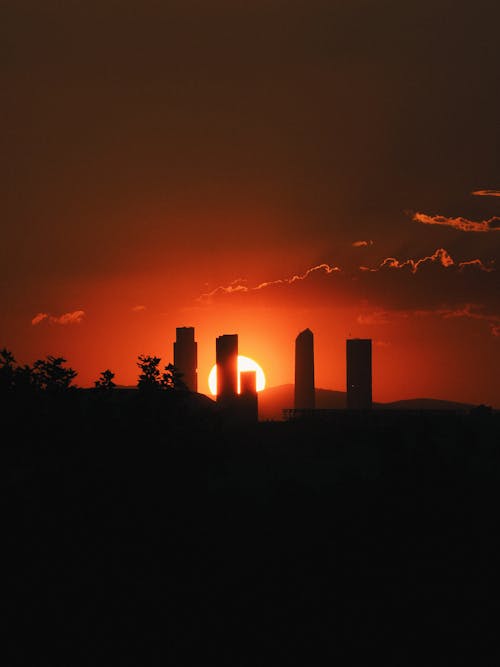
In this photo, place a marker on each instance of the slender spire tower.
(304, 371)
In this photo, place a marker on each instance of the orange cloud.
(463, 224)
(40, 317)
(74, 317)
(486, 193)
(361, 244)
(440, 255)
(138, 309)
(475, 262)
(237, 286)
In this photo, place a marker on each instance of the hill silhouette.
(273, 400)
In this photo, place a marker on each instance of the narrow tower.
(359, 373)
(249, 408)
(304, 371)
(186, 356)
(226, 357)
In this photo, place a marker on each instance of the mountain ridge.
(273, 400)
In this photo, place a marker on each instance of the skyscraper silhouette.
(248, 397)
(226, 357)
(186, 356)
(359, 373)
(304, 371)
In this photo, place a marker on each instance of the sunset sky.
(255, 167)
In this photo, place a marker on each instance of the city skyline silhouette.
(250, 332)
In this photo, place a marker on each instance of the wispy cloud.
(74, 317)
(475, 263)
(378, 316)
(39, 317)
(138, 309)
(462, 224)
(361, 244)
(475, 312)
(468, 310)
(486, 193)
(440, 256)
(239, 286)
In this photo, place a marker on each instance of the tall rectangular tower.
(226, 357)
(249, 407)
(304, 371)
(359, 373)
(186, 356)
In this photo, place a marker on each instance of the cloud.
(138, 309)
(440, 256)
(74, 317)
(40, 317)
(392, 289)
(379, 316)
(462, 224)
(238, 286)
(324, 268)
(486, 193)
(69, 318)
(475, 312)
(468, 310)
(475, 263)
(361, 244)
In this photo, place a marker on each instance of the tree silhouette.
(171, 379)
(50, 375)
(105, 381)
(7, 370)
(149, 379)
(24, 380)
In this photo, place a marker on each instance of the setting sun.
(244, 364)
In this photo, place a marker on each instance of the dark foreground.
(149, 537)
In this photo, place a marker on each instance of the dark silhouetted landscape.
(147, 527)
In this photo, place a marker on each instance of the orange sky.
(156, 154)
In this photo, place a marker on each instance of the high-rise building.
(226, 357)
(304, 371)
(186, 356)
(248, 383)
(248, 397)
(359, 373)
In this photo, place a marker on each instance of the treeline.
(41, 404)
(52, 376)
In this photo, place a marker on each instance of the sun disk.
(244, 364)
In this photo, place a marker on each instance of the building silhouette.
(359, 373)
(186, 356)
(226, 357)
(304, 371)
(248, 401)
